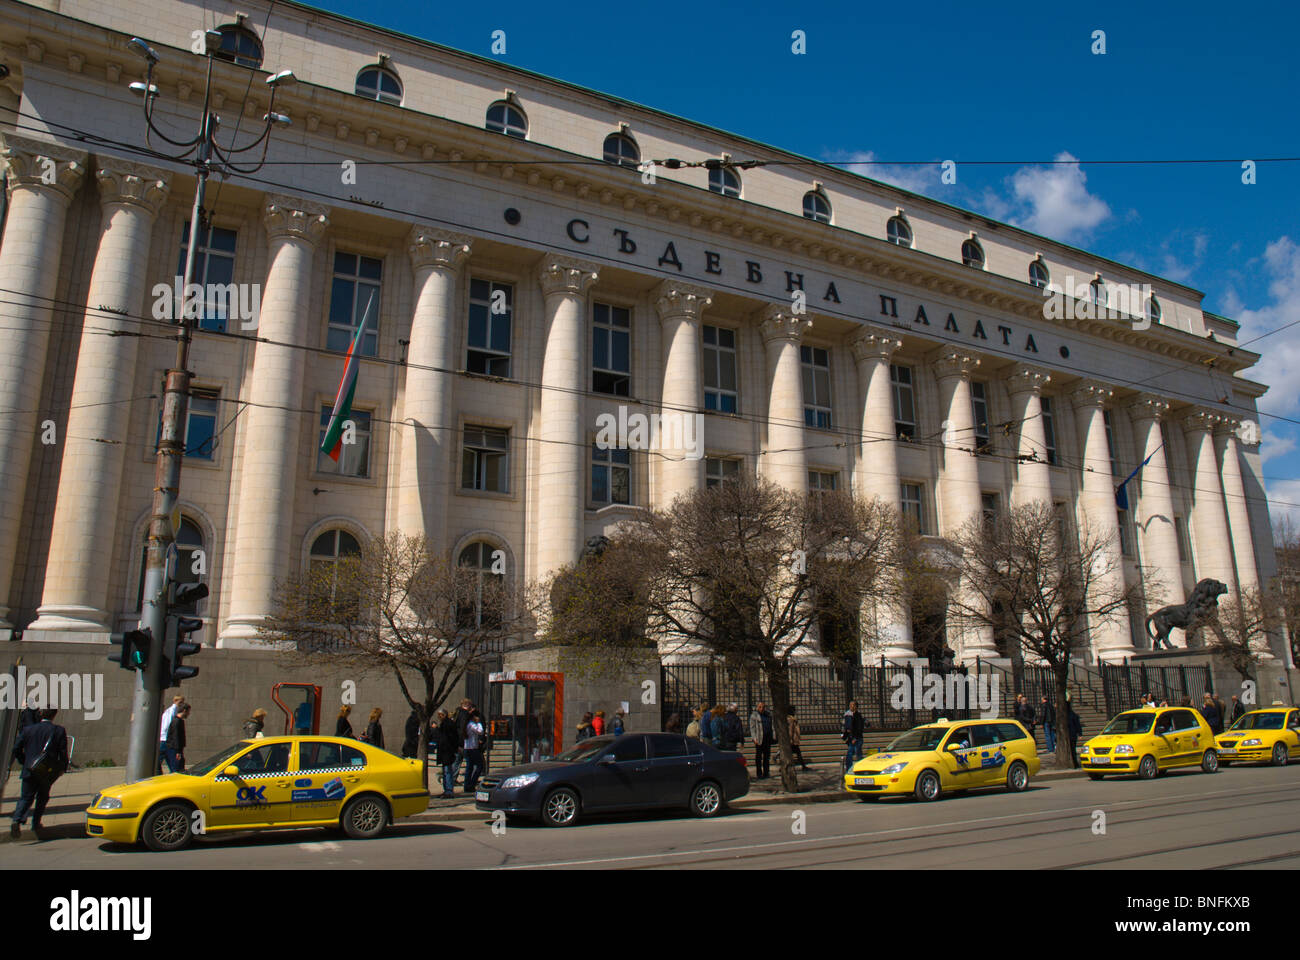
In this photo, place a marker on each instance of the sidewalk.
(72, 793)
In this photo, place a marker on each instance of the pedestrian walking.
(1238, 711)
(254, 724)
(176, 739)
(1074, 726)
(343, 727)
(461, 717)
(374, 734)
(1210, 711)
(796, 753)
(598, 723)
(706, 722)
(733, 731)
(449, 747)
(473, 750)
(167, 717)
(1047, 714)
(585, 729)
(411, 738)
(619, 715)
(42, 749)
(851, 733)
(760, 732)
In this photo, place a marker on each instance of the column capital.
(1203, 419)
(440, 249)
(873, 343)
(567, 276)
(128, 182)
(1228, 426)
(42, 164)
(953, 362)
(1025, 377)
(673, 300)
(776, 322)
(1091, 393)
(1148, 406)
(286, 217)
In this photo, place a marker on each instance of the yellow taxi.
(948, 755)
(1150, 741)
(268, 783)
(1270, 735)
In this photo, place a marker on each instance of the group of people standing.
(1045, 716)
(171, 736)
(595, 725)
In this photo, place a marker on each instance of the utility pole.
(203, 152)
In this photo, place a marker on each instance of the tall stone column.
(85, 515)
(1213, 557)
(264, 549)
(429, 421)
(877, 476)
(1033, 474)
(680, 306)
(1153, 503)
(562, 488)
(784, 460)
(1234, 495)
(43, 177)
(1111, 640)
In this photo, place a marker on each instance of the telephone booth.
(300, 703)
(525, 716)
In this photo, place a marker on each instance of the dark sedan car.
(636, 771)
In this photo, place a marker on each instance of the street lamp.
(205, 154)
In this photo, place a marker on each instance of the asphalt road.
(1237, 818)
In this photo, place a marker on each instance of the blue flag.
(1121, 492)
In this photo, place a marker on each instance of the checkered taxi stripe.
(291, 773)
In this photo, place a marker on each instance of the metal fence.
(1124, 684)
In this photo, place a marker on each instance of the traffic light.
(134, 654)
(182, 598)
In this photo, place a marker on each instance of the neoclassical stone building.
(520, 276)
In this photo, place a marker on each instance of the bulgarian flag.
(333, 444)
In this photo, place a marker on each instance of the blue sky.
(1012, 81)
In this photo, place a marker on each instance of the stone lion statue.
(1185, 616)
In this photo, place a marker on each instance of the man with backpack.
(42, 749)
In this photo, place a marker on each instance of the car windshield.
(585, 750)
(922, 738)
(1130, 723)
(217, 760)
(1259, 721)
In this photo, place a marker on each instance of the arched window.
(506, 118)
(379, 83)
(899, 232)
(239, 45)
(1097, 291)
(1038, 274)
(725, 181)
(484, 606)
(191, 559)
(326, 551)
(972, 254)
(622, 149)
(816, 206)
(1153, 310)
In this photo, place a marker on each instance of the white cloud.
(922, 178)
(1055, 201)
(1275, 446)
(1281, 351)
(1283, 500)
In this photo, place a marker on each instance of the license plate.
(864, 781)
(482, 796)
(1227, 750)
(1094, 759)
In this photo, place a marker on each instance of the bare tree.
(1241, 626)
(1286, 544)
(1054, 584)
(747, 569)
(398, 605)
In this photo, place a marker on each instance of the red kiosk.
(301, 706)
(525, 711)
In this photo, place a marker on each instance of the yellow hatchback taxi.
(270, 783)
(948, 755)
(1150, 741)
(1270, 735)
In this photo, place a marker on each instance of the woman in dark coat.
(344, 727)
(374, 729)
(448, 750)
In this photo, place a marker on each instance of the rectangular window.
(816, 363)
(1184, 544)
(1049, 430)
(819, 481)
(354, 296)
(1125, 534)
(490, 312)
(1110, 443)
(719, 470)
(900, 378)
(214, 271)
(979, 403)
(485, 460)
(720, 392)
(354, 457)
(913, 502)
(611, 475)
(200, 425)
(989, 508)
(611, 350)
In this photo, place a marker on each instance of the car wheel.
(1147, 769)
(560, 808)
(1096, 776)
(927, 786)
(167, 827)
(1280, 755)
(365, 817)
(1210, 761)
(706, 799)
(1017, 777)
